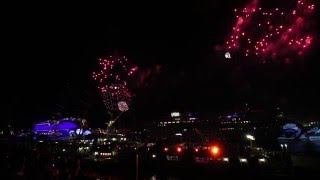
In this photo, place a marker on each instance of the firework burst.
(113, 80)
(272, 34)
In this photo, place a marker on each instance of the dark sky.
(50, 50)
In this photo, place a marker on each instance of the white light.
(262, 160)
(225, 159)
(175, 114)
(63, 150)
(250, 137)
(154, 156)
(285, 145)
(227, 55)
(243, 160)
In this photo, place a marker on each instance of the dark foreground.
(27, 162)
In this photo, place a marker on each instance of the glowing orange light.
(215, 150)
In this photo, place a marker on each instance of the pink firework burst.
(272, 34)
(113, 80)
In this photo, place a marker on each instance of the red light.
(215, 150)
(197, 150)
(166, 149)
(179, 149)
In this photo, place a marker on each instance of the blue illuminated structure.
(67, 127)
(290, 131)
(44, 128)
(62, 127)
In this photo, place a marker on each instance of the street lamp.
(251, 138)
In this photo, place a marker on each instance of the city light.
(175, 114)
(262, 160)
(225, 159)
(250, 137)
(243, 160)
(179, 149)
(215, 150)
(166, 149)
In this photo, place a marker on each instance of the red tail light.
(197, 150)
(179, 149)
(215, 150)
(166, 149)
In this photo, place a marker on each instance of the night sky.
(50, 51)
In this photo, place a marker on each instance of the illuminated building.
(178, 119)
(180, 125)
(247, 121)
(62, 127)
